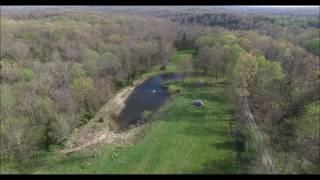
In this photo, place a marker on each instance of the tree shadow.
(206, 96)
(188, 85)
(221, 166)
(204, 131)
(48, 160)
(226, 145)
(185, 115)
(72, 159)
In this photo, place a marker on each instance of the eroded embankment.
(98, 129)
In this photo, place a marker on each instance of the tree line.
(282, 82)
(303, 31)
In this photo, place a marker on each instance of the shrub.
(173, 89)
(123, 83)
(84, 117)
(26, 74)
(146, 114)
(250, 151)
(163, 68)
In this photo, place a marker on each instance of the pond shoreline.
(95, 132)
(148, 97)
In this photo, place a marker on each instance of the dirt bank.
(98, 129)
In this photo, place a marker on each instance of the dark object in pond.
(149, 96)
(198, 103)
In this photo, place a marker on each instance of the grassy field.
(171, 67)
(180, 139)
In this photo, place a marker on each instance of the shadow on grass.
(75, 159)
(204, 131)
(227, 145)
(206, 97)
(188, 85)
(184, 115)
(51, 161)
(221, 166)
(226, 165)
(71, 165)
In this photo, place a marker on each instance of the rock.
(200, 82)
(100, 120)
(132, 126)
(198, 103)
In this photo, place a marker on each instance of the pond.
(149, 96)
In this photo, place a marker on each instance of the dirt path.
(107, 137)
(266, 158)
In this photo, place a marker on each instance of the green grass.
(172, 88)
(172, 66)
(180, 138)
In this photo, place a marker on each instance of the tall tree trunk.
(184, 76)
(216, 77)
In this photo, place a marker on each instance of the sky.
(286, 6)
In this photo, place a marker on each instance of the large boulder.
(198, 103)
(200, 82)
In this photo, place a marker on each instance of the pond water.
(149, 96)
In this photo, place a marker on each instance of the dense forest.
(302, 31)
(58, 69)
(281, 81)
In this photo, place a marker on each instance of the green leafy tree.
(207, 40)
(267, 73)
(8, 100)
(185, 64)
(77, 70)
(91, 59)
(314, 46)
(82, 88)
(228, 39)
(26, 74)
(244, 72)
(108, 64)
(310, 124)
(16, 137)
